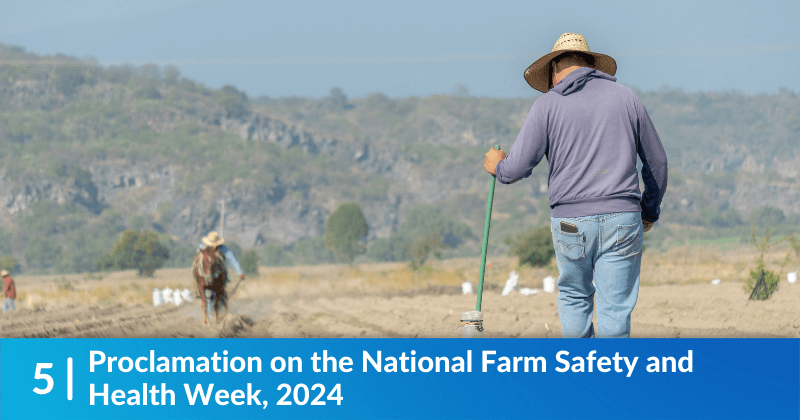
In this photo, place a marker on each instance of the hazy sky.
(406, 48)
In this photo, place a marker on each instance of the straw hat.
(538, 74)
(212, 239)
(4, 273)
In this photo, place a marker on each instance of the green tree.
(42, 253)
(767, 216)
(420, 221)
(68, 79)
(250, 262)
(388, 249)
(534, 247)
(149, 92)
(424, 217)
(712, 218)
(141, 251)
(234, 102)
(344, 229)
(312, 251)
(8, 262)
(338, 100)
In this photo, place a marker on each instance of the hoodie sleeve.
(527, 151)
(231, 259)
(654, 164)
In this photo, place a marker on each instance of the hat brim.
(538, 73)
(208, 242)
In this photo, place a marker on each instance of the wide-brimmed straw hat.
(212, 239)
(4, 273)
(538, 74)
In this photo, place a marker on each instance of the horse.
(208, 267)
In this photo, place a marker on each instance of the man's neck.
(563, 73)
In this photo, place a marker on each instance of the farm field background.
(676, 299)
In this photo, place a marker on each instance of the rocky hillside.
(91, 150)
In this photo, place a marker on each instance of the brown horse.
(209, 271)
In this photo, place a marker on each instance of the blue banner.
(399, 378)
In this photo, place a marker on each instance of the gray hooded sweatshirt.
(591, 129)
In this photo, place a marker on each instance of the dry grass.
(701, 264)
(121, 288)
(683, 265)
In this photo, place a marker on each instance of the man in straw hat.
(11, 291)
(214, 240)
(591, 129)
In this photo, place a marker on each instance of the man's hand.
(647, 225)
(493, 157)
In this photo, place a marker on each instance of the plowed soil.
(271, 307)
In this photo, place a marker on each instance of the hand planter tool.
(228, 297)
(236, 286)
(472, 321)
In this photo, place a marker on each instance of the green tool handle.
(486, 238)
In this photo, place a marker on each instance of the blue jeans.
(8, 305)
(210, 303)
(608, 250)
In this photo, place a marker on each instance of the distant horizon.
(418, 48)
(251, 97)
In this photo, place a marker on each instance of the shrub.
(534, 247)
(250, 262)
(274, 255)
(771, 280)
(312, 251)
(422, 247)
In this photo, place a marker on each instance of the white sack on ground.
(511, 283)
(549, 284)
(527, 291)
(166, 295)
(466, 288)
(792, 277)
(186, 295)
(716, 282)
(157, 297)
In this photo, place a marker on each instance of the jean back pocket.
(629, 239)
(571, 245)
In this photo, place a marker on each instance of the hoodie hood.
(578, 78)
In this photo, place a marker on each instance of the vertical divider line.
(69, 378)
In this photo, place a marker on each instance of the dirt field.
(676, 299)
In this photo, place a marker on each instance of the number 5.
(46, 377)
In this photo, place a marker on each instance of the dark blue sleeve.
(654, 165)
